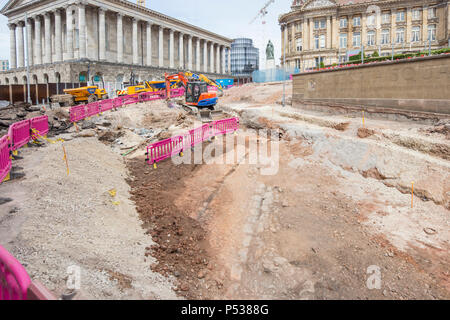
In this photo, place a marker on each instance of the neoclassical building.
(331, 30)
(66, 41)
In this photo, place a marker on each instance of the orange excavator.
(196, 92)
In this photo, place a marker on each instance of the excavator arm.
(177, 76)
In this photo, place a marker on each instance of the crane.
(262, 13)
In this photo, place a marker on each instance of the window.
(356, 39)
(316, 24)
(371, 21)
(299, 26)
(356, 21)
(432, 32)
(415, 36)
(343, 40)
(316, 42)
(400, 35)
(322, 41)
(323, 24)
(400, 16)
(299, 45)
(297, 63)
(431, 13)
(386, 17)
(343, 22)
(385, 36)
(371, 38)
(416, 14)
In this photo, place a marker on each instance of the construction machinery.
(147, 86)
(197, 98)
(75, 96)
(204, 78)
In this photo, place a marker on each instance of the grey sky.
(230, 18)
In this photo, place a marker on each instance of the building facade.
(244, 57)
(65, 40)
(328, 31)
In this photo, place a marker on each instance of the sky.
(230, 18)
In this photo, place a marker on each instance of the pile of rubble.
(59, 119)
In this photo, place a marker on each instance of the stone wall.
(420, 85)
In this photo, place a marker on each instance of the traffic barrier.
(5, 159)
(174, 93)
(134, 98)
(92, 109)
(224, 126)
(149, 96)
(117, 102)
(14, 279)
(77, 113)
(164, 149)
(39, 126)
(19, 134)
(106, 105)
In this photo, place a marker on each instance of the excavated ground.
(337, 206)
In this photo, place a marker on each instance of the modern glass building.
(244, 57)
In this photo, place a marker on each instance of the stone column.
(305, 32)
(135, 41)
(218, 59)
(393, 26)
(378, 27)
(58, 36)
(20, 42)
(190, 52)
(37, 41)
(69, 27)
(211, 56)
(12, 45)
(229, 60)
(30, 42)
(161, 47)
(47, 39)
(311, 34)
(425, 24)
(364, 30)
(102, 33)
(329, 32)
(334, 33)
(119, 38)
(82, 30)
(293, 37)
(283, 30)
(181, 46)
(205, 56)
(149, 43)
(286, 40)
(222, 59)
(171, 49)
(197, 53)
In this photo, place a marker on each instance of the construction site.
(334, 185)
(334, 199)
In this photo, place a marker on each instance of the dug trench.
(310, 231)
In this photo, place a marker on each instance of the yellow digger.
(74, 96)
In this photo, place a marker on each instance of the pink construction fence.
(19, 134)
(81, 112)
(167, 148)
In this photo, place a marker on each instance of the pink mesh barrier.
(77, 113)
(5, 160)
(19, 133)
(106, 105)
(39, 124)
(164, 149)
(14, 279)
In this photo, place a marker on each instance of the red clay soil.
(180, 248)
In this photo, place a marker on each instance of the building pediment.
(316, 4)
(14, 4)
